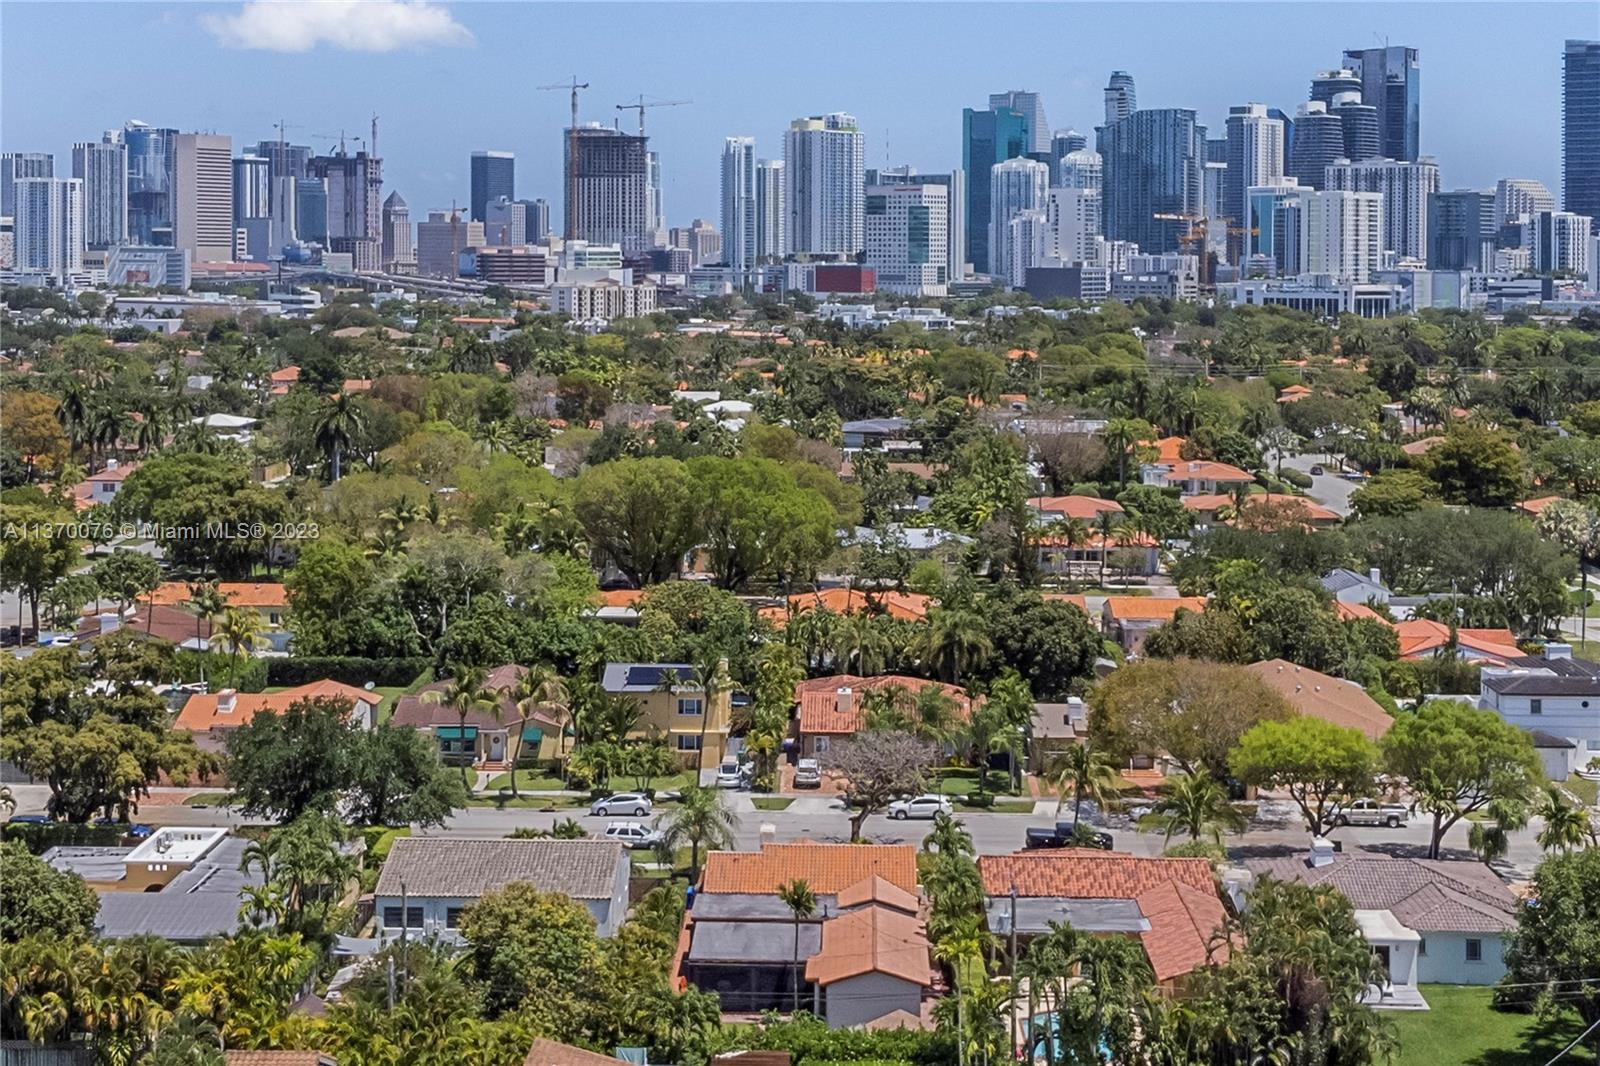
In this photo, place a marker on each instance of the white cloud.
(353, 25)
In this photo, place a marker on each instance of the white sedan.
(920, 807)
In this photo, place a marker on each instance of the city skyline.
(1480, 126)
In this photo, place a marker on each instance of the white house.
(1430, 921)
(1553, 694)
(427, 882)
(1349, 586)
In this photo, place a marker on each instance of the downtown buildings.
(907, 237)
(49, 227)
(1153, 163)
(102, 166)
(1580, 128)
(493, 176)
(987, 138)
(824, 159)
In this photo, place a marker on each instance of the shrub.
(351, 670)
(1296, 478)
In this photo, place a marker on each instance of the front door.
(1382, 951)
(497, 747)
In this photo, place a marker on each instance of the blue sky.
(447, 79)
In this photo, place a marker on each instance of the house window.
(452, 917)
(1474, 951)
(688, 743)
(689, 705)
(391, 917)
(1422, 948)
(1536, 706)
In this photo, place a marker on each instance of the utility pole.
(571, 228)
(1012, 1009)
(405, 924)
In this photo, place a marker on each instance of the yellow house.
(672, 704)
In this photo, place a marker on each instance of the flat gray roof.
(743, 942)
(1034, 915)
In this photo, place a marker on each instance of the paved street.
(1330, 490)
(823, 818)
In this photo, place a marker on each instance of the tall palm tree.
(802, 904)
(206, 601)
(1490, 839)
(538, 687)
(336, 428)
(954, 640)
(1107, 524)
(1197, 805)
(1074, 533)
(711, 676)
(1088, 775)
(241, 629)
(466, 693)
(1566, 824)
(948, 837)
(701, 820)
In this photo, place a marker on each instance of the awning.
(453, 732)
(532, 734)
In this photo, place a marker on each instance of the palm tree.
(1566, 824)
(336, 427)
(465, 693)
(1088, 775)
(207, 601)
(712, 678)
(1121, 435)
(1576, 527)
(241, 629)
(948, 837)
(1107, 524)
(535, 688)
(702, 820)
(1196, 805)
(802, 904)
(1074, 533)
(955, 638)
(1490, 840)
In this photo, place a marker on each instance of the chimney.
(1321, 852)
(1376, 575)
(844, 699)
(1558, 651)
(226, 700)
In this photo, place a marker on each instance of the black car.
(1068, 835)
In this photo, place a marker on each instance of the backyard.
(1463, 1029)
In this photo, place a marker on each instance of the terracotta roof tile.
(1150, 608)
(1318, 695)
(1083, 874)
(1184, 924)
(827, 868)
(551, 1053)
(277, 1058)
(871, 940)
(819, 700)
(1084, 507)
(875, 889)
(237, 593)
(202, 711)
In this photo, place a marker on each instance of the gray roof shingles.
(462, 868)
(1439, 896)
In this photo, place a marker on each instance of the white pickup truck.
(1369, 812)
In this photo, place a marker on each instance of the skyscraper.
(1460, 224)
(284, 160)
(1153, 164)
(1264, 224)
(505, 222)
(1255, 157)
(1558, 242)
(987, 138)
(1359, 122)
(538, 220)
(1015, 185)
(354, 203)
(1030, 104)
(1391, 81)
(311, 210)
(1067, 141)
(655, 202)
(1580, 128)
(152, 174)
(771, 216)
(1082, 169)
(103, 167)
(612, 199)
(202, 217)
(17, 165)
(1329, 84)
(824, 161)
(906, 230)
(739, 202)
(494, 174)
(1121, 101)
(1405, 188)
(1318, 141)
(955, 185)
(252, 189)
(1340, 234)
(1516, 197)
(398, 250)
(1074, 217)
(49, 226)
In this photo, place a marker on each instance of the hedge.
(40, 837)
(1296, 478)
(349, 669)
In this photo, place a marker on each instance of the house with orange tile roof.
(832, 708)
(1535, 507)
(907, 606)
(1169, 450)
(1195, 477)
(1293, 394)
(1317, 695)
(1350, 612)
(862, 955)
(1420, 447)
(267, 598)
(282, 379)
(210, 716)
(1260, 510)
(1085, 508)
(1170, 905)
(96, 489)
(1129, 620)
(1423, 638)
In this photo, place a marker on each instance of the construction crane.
(641, 105)
(570, 230)
(1196, 235)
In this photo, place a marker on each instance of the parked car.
(1317, 471)
(29, 819)
(921, 807)
(1354, 475)
(808, 774)
(731, 775)
(634, 803)
(137, 830)
(633, 835)
(1369, 812)
(1068, 835)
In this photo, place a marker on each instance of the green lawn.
(1584, 789)
(1000, 806)
(534, 781)
(1463, 1029)
(772, 803)
(537, 803)
(960, 780)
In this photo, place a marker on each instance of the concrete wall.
(858, 1000)
(1443, 959)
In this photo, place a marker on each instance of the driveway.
(1327, 489)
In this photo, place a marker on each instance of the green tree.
(531, 950)
(241, 630)
(466, 694)
(126, 576)
(702, 819)
(539, 688)
(1312, 760)
(284, 765)
(1196, 805)
(1458, 759)
(396, 779)
(1553, 960)
(338, 425)
(1087, 775)
(36, 551)
(758, 522)
(802, 904)
(641, 512)
(955, 640)
(1478, 467)
(39, 901)
(302, 862)
(1393, 492)
(1566, 821)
